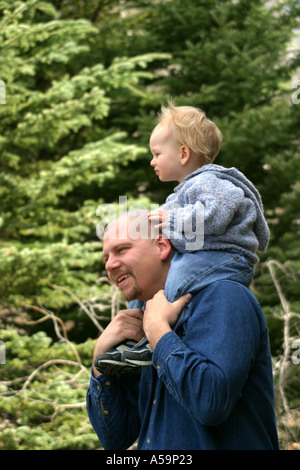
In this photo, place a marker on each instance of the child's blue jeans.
(191, 272)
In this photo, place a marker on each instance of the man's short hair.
(136, 224)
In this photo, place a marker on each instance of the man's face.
(134, 265)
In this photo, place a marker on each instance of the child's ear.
(185, 154)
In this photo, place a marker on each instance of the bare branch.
(48, 314)
(84, 308)
(47, 364)
(283, 368)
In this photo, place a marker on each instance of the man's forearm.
(113, 411)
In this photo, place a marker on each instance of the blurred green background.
(81, 85)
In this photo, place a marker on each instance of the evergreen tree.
(59, 161)
(83, 84)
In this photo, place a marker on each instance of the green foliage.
(84, 82)
(42, 398)
(57, 158)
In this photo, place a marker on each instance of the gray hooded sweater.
(217, 208)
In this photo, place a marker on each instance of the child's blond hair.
(191, 127)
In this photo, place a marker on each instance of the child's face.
(166, 155)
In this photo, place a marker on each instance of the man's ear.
(185, 154)
(164, 246)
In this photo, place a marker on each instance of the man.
(210, 386)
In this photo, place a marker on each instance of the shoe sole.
(116, 368)
(139, 358)
(136, 362)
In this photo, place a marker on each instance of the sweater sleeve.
(206, 207)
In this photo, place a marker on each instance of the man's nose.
(112, 263)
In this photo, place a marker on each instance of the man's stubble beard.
(134, 293)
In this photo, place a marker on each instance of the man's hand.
(127, 324)
(160, 315)
(161, 215)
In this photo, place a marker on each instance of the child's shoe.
(139, 355)
(112, 362)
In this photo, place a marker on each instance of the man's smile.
(120, 280)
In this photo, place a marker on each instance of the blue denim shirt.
(191, 272)
(210, 385)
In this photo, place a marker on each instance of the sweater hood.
(237, 178)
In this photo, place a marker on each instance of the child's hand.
(161, 215)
